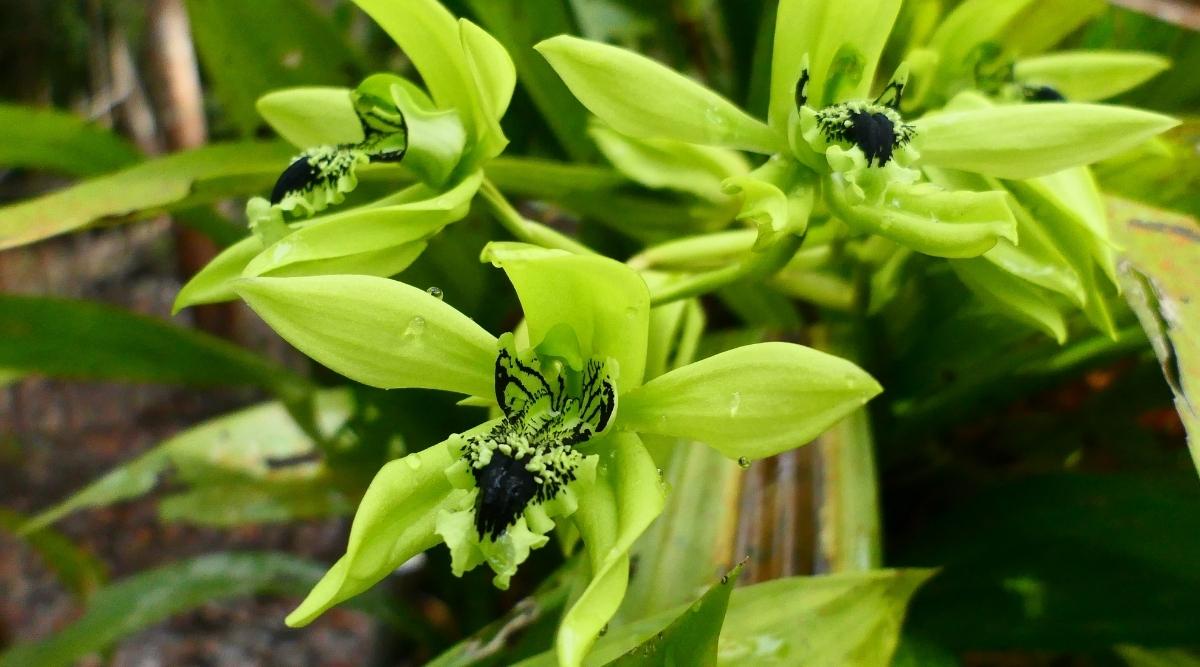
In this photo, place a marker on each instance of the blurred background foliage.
(1052, 485)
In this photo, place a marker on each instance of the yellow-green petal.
(1089, 76)
(752, 401)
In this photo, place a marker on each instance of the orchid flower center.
(531, 454)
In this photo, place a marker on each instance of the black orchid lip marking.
(875, 129)
(530, 455)
(1042, 94)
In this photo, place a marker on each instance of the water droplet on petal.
(415, 328)
(735, 402)
(413, 462)
(604, 630)
(435, 292)
(744, 462)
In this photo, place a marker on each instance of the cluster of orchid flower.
(969, 152)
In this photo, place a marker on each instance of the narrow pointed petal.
(394, 522)
(643, 98)
(750, 402)
(613, 512)
(1029, 140)
(377, 331)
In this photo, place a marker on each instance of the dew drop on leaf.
(435, 292)
(416, 327)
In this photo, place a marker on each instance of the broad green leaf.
(429, 35)
(59, 141)
(376, 331)
(604, 302)
(640, 97)
(1162, 259)
(149, 188)
(1012, 296)
(750, 402)
(613, 512)
(842, 42)
(312, 116)
(1136, 656)
(669, 164)
(78, 570)
(519, 24)
(394, 522)
(237, 447)
(250, 48)
(233, 504)
(80, 339)
(140, 601)
(690, 639)
(1061, 562)
(1028, 140)
(1089, 76)
(841, 619)
(368, 229)
(942, 223)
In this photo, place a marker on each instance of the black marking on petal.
(299, 176)
(892, 95)
(530, 455)
(1042, 94)
(802, 89)
(877, 130)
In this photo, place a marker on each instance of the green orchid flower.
(825, 126)
(566, 449)
(440, 135)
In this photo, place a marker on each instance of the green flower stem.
(527, 230)
(758, 266)
(696, 250)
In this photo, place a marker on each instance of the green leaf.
(394, 522)
(643, 98)
(1136, 656)
(430, 36)
(1013, 296)
(80, 339)
(608, 308)
(519, 24)
(842, 42)
(1089, 76)
(229, 505)
(174, 181)
(145, 599)
(376, 331)
(1028, 140)
(751, 402)
(312, 116)
(669, 164)
(290, 45)
(237, 447)
(690, 639)
(614, 511)
(1162, 258)
(59, 141)
(78, 570)
(841, 619)
(1021, 561)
